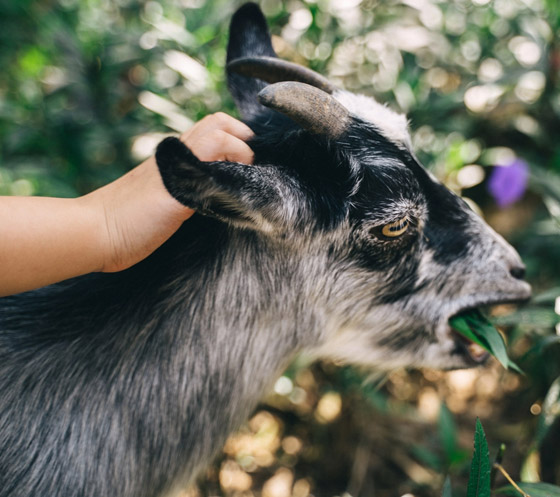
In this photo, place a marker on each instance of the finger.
(238, 151)
(217, 121)
(232, 126)
(219, 146)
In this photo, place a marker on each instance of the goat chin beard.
(348, 348)
(363, 348)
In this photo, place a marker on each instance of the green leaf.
(426, 457)
(447, 432)
(476, 328)
(550, 410)
(498, 460)
(531, 467)
(487, 333)
(479, 478)
(532, 318)
(533, 489)
(547, 297)
(446, 492)
(32, 62)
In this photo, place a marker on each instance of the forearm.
(45, 240)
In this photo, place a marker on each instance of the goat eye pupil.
(395, 228)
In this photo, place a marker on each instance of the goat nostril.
(518, 272)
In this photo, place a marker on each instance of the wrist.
(96, 248)
(132, 217)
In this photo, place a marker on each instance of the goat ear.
(248, 37)
(249, 196)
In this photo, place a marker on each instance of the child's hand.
(138, 214)
(219, 137)
(45, 240)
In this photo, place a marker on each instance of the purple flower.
(508, 182)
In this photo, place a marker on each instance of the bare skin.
(45, 240)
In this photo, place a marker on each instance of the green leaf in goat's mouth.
(476, 328)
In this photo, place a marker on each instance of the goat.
(336, 242)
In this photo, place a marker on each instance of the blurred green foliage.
(88, 88)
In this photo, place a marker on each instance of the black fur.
(248, 36)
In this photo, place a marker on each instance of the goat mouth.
(470, 349)
(474, 353)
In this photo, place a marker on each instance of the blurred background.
(89, 87)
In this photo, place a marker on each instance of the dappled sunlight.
(175, 119)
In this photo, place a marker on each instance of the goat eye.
(396, 228)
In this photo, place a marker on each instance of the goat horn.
(274, 70)
(310, 107)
